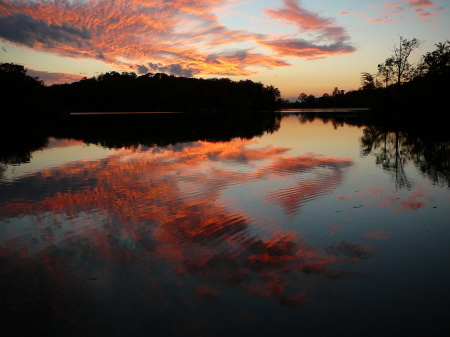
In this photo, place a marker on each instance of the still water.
(308, 227)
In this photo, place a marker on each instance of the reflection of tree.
(17, 144)
(306, 117)
(329, 117)
(116, 131)
(433, 158)
(389, 150)
(394, 148)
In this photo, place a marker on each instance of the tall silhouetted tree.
(402, 69)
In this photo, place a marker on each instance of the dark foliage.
(20, 92)
(127, 92)
(399, 91)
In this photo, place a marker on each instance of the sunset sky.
(297, 46)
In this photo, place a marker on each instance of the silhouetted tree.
(337, 92)
(302, 97)
(437, 61)
(19, 90)
(367, 81)
(386, 71)
(126, 91)
(402, 69)
(398, 88)
(311, 99)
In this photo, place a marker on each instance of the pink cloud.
(397, 10)
(380, 20)
(330, 38)
(308, 22)
(421, 3)
(293, 14)
(391, 4)
(305, 49)
(423, 14)
(54, 78)
(423, 8)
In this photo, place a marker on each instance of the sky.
(298, 46)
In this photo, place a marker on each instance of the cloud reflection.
(155, 218)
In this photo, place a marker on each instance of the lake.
(286, 225)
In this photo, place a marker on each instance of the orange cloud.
(184, 36)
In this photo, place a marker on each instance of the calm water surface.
(311, 229)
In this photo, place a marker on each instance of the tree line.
(126, 91)
(398, 87)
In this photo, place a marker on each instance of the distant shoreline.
(283, 111)
(125, 113)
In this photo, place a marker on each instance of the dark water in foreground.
(305, 228)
